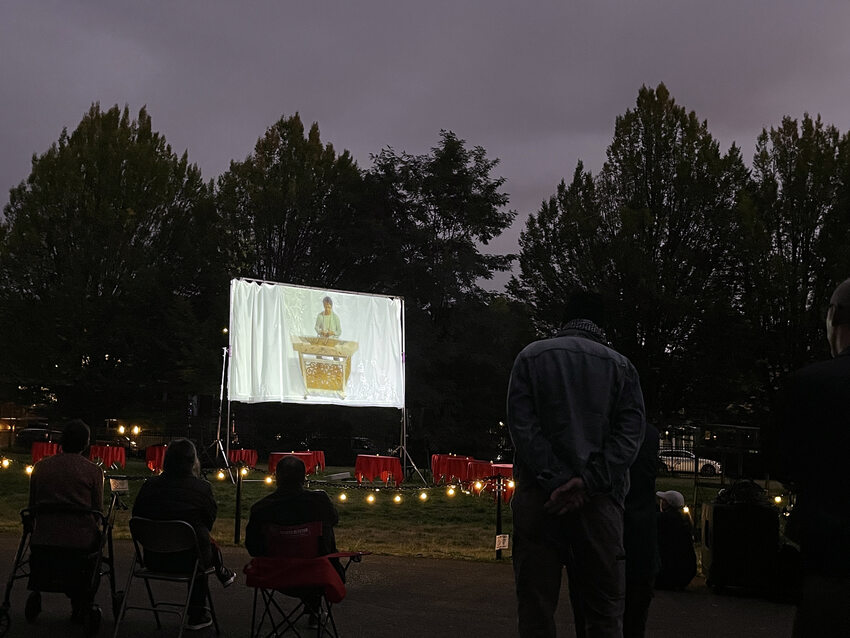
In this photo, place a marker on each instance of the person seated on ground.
(67, 479)
(675, 543)
(179, 493)
(291, 504)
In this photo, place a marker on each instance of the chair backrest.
(292, 541)
(164, 537)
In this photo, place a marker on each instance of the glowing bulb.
(136, 430)
(450, 491)
(776, 499)
(685, 509)
(220, 475)
(478, 485)
(343, 497)
(423, 496)
(397, 498)
(120, 429)
(370, 499)
(269, 480)
(29, 469)
(5, 463)
(224, 331)
(244, 471)
(511, 484)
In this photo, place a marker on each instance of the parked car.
(26, 437)
(684, 460)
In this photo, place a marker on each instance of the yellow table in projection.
(325, 363)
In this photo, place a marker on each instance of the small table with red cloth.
(109, 455)
(370, 466)
(154, 455)
(476, 469)
(40, 449)
(449, 466)
(245, 457)
(311, 458)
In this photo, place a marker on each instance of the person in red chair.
(180, 494)
(291, 504)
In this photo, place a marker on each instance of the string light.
(397, 498)
(777, 499)
(370, 499)
(685, 509)
(136, 430)
(269, 480)
(244, 471)
(29, 469)
(451, 490)
(343, 497)
(478, 485)
(423, 496)
(5, 463)
(220, 475)
(511, 484)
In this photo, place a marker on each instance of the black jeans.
(589, 542)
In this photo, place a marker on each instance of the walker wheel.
(4, 620)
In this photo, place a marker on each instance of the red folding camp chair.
(295, 569)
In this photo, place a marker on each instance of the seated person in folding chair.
(66, 479)
(180, 494)
(291, 504)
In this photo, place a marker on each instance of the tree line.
(115, 257)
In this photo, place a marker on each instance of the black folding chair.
(176, 538)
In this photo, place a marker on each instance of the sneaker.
(226, 576)
(199, 622)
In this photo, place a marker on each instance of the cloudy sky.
(537, 84)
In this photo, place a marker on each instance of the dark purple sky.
(538, 84)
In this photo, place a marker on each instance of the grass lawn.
(441, 526)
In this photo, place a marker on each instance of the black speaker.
(740, 543)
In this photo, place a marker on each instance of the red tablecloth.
(478, 470)
(40, 449)
(109, 454)
(246, 457)
(311, 459)
(153, 457)
(449, 466)
(368, 466)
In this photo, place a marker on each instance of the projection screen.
(294, 344)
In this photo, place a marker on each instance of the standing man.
(577, 419)
(812, 446)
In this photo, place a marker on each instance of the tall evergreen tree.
(102, 253)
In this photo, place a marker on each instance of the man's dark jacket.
(575, 408)
(813, 442)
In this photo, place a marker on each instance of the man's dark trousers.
(590, 541)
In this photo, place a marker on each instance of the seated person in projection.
(291, 504)
(179, 493)
(327, 321)
(67, 479)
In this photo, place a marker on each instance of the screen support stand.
(216, 448)
(402, 449)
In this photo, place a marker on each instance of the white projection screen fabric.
(288, 345)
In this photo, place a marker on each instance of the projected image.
(308, 345)
(325, 360)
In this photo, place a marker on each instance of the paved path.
(391, 597)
